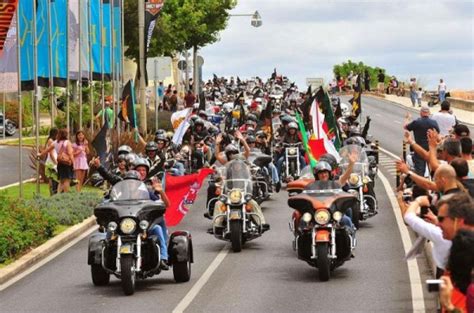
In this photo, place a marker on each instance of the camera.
(433, 284)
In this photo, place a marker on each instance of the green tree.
(344, 69)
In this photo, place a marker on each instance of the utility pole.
(141, 64)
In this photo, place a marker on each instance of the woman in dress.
(80, 152)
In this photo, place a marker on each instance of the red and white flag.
(182, 192)
(322, 144)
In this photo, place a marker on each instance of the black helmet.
(230, 149)
(141, 162)
(292, 125)
(322, 166)
(213, 130)
(151, 146)
(124, 149)
(260, 133)
(199, 122)
(203, 114)
(251, 139)
(286, 119)
(329, 158)
(132, 175)
(252, 117)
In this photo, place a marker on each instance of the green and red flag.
(304, 136)
(330, 124)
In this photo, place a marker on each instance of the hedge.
(27, 224)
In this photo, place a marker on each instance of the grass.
(29, 190)
(29, 141)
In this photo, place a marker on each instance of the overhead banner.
(7, 11)
(107, 36)
(152, 10)
(25, 11)
(84, 33)
(94, 16)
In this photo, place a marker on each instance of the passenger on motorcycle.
(291, 137)
(271, 168)
(140, 172)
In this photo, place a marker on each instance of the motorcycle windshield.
(237, 176)
(306, 173)
(129, 189)
(361, 165)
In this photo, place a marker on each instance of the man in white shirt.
(444, 118)
(442, 90)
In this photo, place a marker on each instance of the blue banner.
(107, 38)
(25, 11)
(59, 41)
(42, 39)
(95, 39)
(84, 33)
(117, 44)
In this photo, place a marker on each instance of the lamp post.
(256, 20)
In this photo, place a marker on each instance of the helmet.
(160, 131)
(124, 149)
(354, 131)
(286, 119)
(160, 137)
(292, 125)
(213, 130)
(330, 159)
(252, 117)
(131, 175)
(193, 118)
(230, 149)
(322, 166)
(130, 158)
(260, 133)
(169, 135)
(199, 122)
(203, 114)
(151, 146)
(141, 162)
(121, 158)
(251, 139)
(258, 99)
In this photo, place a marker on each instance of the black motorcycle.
(123, 246)
(261, 177)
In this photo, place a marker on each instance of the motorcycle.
(123, 248)
(238, 225)
(7, 126)
(261, 177)
(359, 183)
(319, 237)
(291, 163)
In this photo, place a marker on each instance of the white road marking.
(416, 285)
(389, 153)
(47, 259)
(186, 301)
(398, 122)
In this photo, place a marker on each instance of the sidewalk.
(462, 115)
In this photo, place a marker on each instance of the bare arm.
(218, 154)
(244, 143)
(344, 177)
(416, 147)
(417, 179)
(433, 144)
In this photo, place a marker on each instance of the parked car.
(10, 126)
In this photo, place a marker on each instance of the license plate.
(125, 249)
(234, 215)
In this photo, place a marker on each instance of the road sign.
(314, 82)
(158, 68)
(182, 65)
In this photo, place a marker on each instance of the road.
(9, 166)
(265, 277)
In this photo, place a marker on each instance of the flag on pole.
(182, 192)
(7, 11)
(152, 10)
(330, 124)
(304, 136)
(356, 99)
(127, 112)
(321, 144)
(180, 123)
(25, 16)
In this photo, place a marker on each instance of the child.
(419, 95)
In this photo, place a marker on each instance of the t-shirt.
(442, 87)
(109, 116)
(381, 77)
(445, 121)
(470, 164)
(419, 127)
(160, 90)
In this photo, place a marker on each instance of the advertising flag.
(84, 33)
(73, 40)
(127, 112)
(26, 36)
(7, 11)
(304, 135)
(106, 39)
(152, 10)
(95, 38)
(182, 192)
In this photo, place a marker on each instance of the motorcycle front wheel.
(322, 250)
(236, 235)
(127, 267)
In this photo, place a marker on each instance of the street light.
(256, 18)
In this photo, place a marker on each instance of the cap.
(425, 109)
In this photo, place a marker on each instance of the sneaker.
(278, 186)
(164, 265)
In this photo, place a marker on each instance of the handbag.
(63, 158)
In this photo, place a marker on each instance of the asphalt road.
(9, 165)
(265, 277)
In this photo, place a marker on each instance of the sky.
(427, 39)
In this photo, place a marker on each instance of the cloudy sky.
(427, 39)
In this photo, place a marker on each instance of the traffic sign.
(314, 82)
(182, 65)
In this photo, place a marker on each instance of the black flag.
(356, 99)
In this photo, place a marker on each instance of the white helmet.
(346, 109)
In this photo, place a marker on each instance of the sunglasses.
(441, 218)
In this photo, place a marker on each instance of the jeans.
(274, 173)
(413, 97)
(280, 161)
(159, 232)
(442, 95)
(420, 164)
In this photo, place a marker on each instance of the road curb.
(40, 253)
(29, 180)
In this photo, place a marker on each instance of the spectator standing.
(419, 96)
(190, 99)
(381, 81)
(51, 164)
(445, 119)
(420, 127)
(160, 92)
(442, 90)
(413, 91)
(108, 113)
(367, 80)
(80, 152)
(173, 101)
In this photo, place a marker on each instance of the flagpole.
(112, 57)
(122, 42)
(102, 67)
(68, 122)
(20, 106)
(156, 95)
(79, 76)
(35, 71)
(3, 102)
(91, 65)
(50, 57)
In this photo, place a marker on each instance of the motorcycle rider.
(156, 192)
(271, 168)
(291, 137)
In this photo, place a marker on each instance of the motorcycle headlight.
(307, 217)
(354, 179)
(337, 216)
(365, 180)
(128, 225)
(292, 151)
(235, 196)
(322, 217)
(112, 226)
(144, 225)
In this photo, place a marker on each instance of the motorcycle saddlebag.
(180, 247)
(96, 243)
